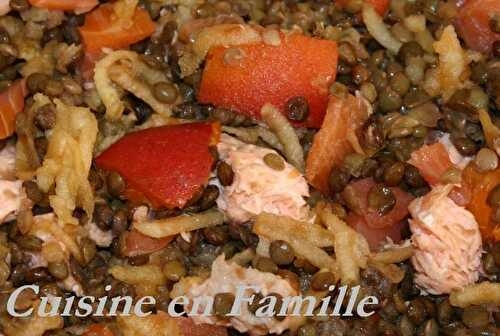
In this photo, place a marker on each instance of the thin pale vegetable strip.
(376, 27)
(108, 93)
(491, 131)
(137, 275)
(390, 271)
(266, 226)
(124, 11)
(60, 235)
(122, 76)
(359, 248)
(315, 234)
(218, 35)
(244, 257)
(66, 164)
(252, 134)
(351, 249)
(286, 134)
(308, 251)
(349, 269)
(393, 256)
(477, 294)
(184, 223)
(270, 138)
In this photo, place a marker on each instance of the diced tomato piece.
(11, 103)
(98, 330)
(432, 161)
(375, 237)
(344, 117)
(357, 193)
(187, 327)
(102, 29)
(135, 243)
(78, 6)
(263, 73)
(473, 24)
(479, 186)
(168, 165)
(381, 6)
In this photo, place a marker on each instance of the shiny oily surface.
(297, 108)
(281, 252)
(322, 281)
(165, 92)
(381, 199)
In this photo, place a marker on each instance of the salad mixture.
(172, 148)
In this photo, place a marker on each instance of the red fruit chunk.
(432, 161)
(357, 194)
(169, 165)
(473, 24)
(375, 237)
(135, 243)
(102, 29)
(299, 66)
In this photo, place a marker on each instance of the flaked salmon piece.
(433, 160)
(257, 187)
(336, 138)
(4, 7)
(226, 277)
(447, 243)
(11, 197)
(12, 194)
(8, 163)
(100, 237)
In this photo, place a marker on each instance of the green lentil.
(174, 270)
(266, 265)
(281, 252)
(58, 270)
(165, 92)
(381, 199)
(223, 303)
(322, 281)
(274, 161)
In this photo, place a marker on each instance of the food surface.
(198, 167)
